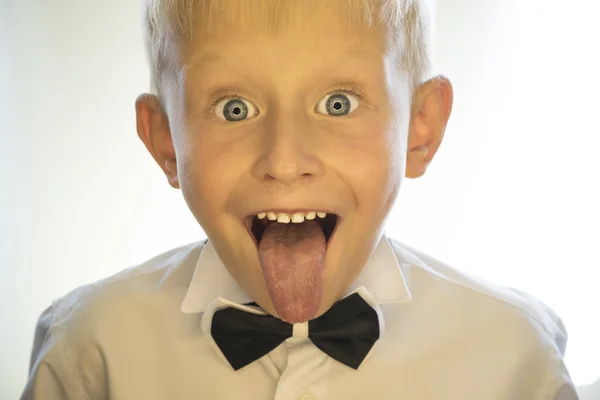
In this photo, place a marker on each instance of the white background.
(512, 196)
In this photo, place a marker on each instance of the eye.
(339, 103)
(233, 108)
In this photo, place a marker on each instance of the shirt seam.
(65, 360)
(547, 378)
(47, 334)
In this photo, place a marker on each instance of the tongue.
(292, 258)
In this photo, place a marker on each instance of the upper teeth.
(295, 218)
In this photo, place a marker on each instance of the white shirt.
(142, 334)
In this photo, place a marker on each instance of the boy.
(288, 126)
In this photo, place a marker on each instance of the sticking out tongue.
(292, 258)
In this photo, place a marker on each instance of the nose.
(290, 150)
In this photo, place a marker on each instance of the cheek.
(378, 165)
(208, 176)
(377, 154)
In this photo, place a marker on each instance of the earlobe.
(153, 130)
(420, 153)
(172, 177)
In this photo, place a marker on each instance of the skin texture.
(289, 153)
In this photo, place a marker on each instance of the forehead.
(300, 50)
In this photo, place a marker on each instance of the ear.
(432, 105)
(153, 129)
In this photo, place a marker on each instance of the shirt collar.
(382, 276)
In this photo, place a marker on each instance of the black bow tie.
(346, 332)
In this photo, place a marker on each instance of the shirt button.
(308, 396)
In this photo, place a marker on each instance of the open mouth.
(256, 227)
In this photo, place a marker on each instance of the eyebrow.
(204, 59)
(208, 56)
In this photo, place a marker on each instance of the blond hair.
(169, 25)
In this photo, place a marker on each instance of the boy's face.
(282, 147)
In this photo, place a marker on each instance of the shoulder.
(166, 273)
(468, 288)
(77, 335)
(517, 325)
(92, 312)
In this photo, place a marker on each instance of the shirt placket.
(304, 377)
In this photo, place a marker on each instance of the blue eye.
(233, 109)
(339, 103)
